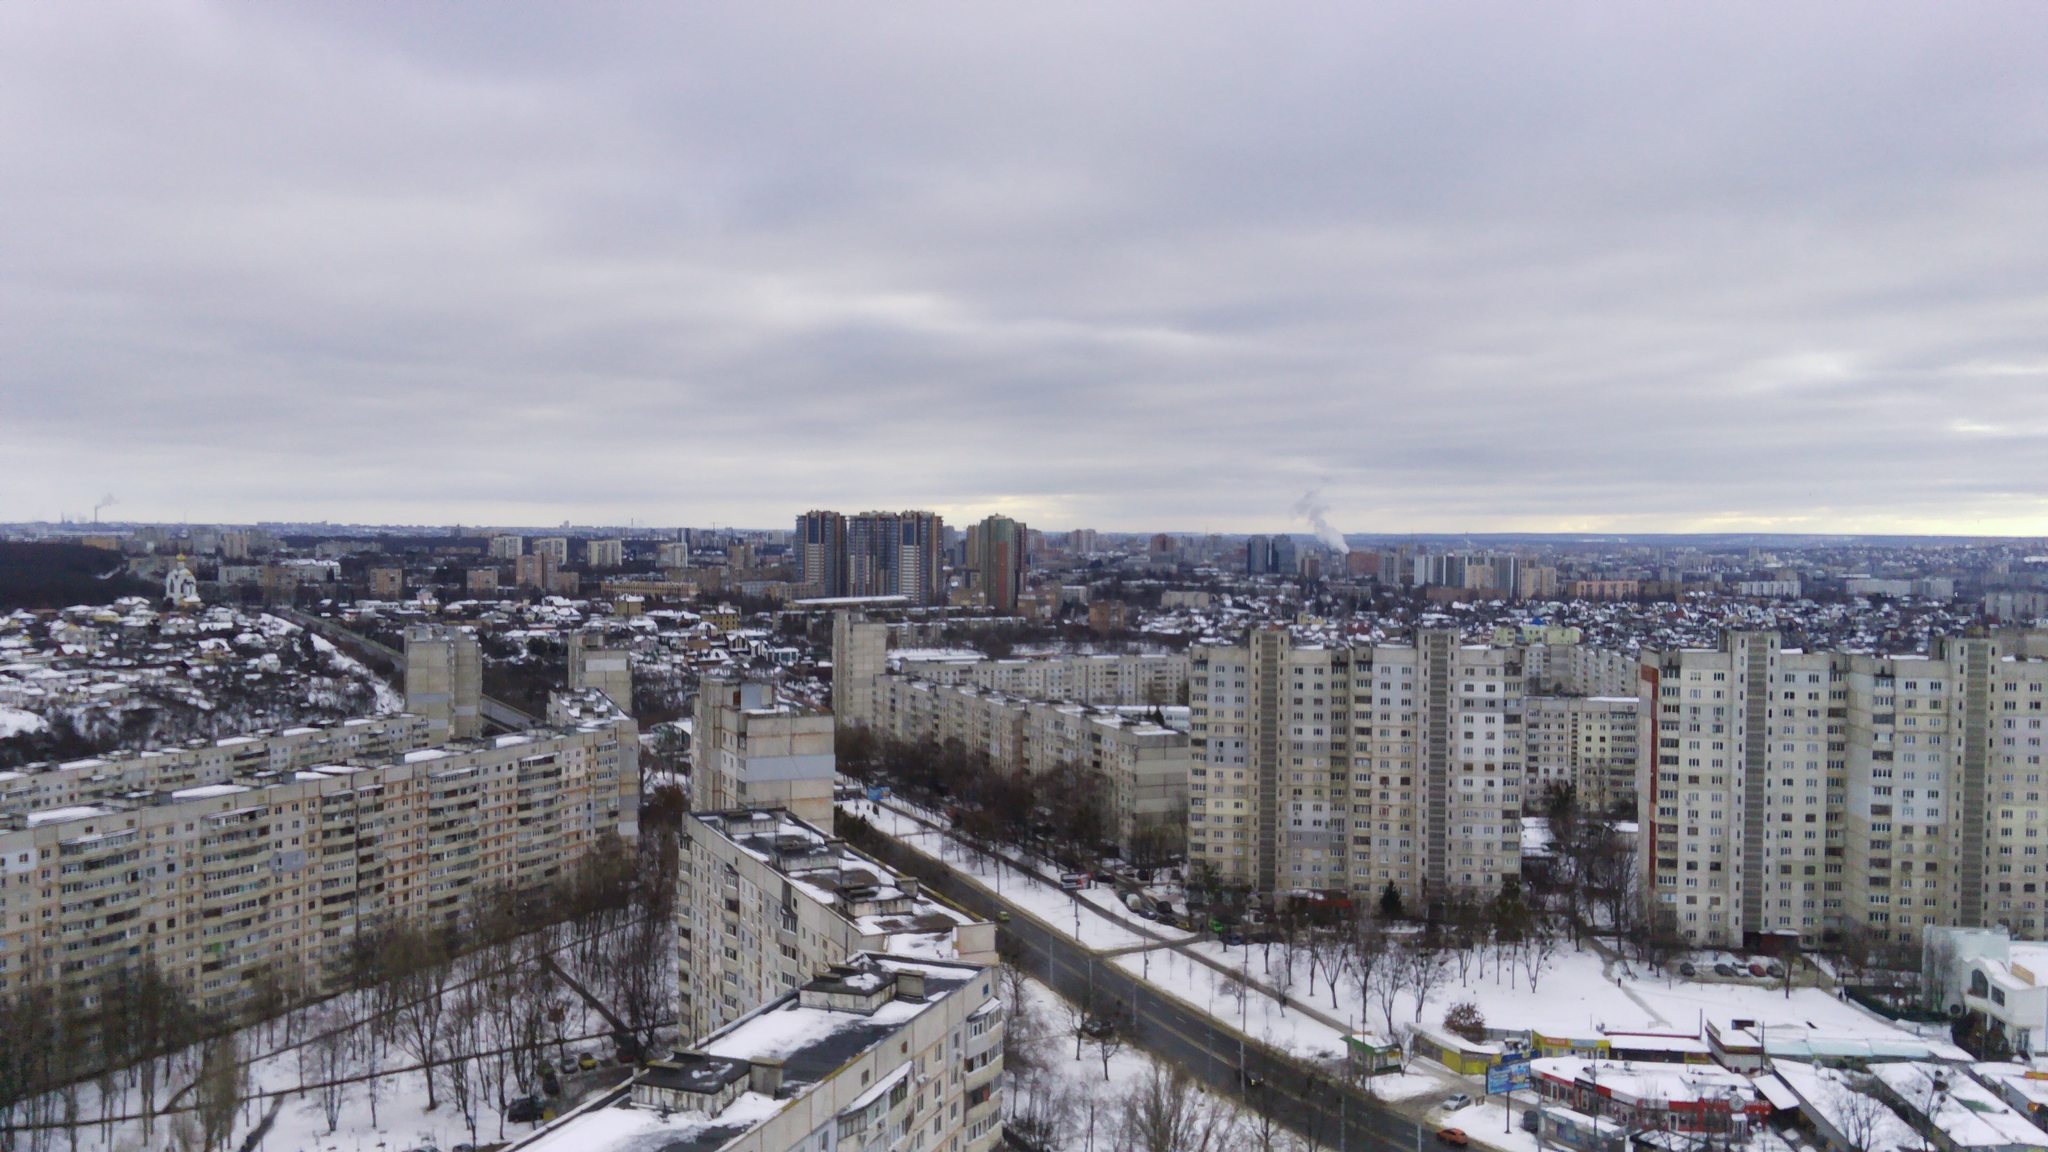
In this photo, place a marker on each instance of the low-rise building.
(1955, 1112)
(1690, 1098)
(1983, 972)
(766, 901)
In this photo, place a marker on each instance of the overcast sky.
(1515, 267)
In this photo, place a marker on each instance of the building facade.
(260, 854)
(1818, 792)
(595, 665)
(996, 552)
(882, 1052)
(1589, 742)
(444, 681)
(752, 752)
(1356, 768)
(1111, 678)
(872, 554)
(766, 901)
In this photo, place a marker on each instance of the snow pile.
(15, 722)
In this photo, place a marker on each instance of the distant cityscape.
(1779, 746)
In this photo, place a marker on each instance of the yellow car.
(586, 1061)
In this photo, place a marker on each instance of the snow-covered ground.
(1257, 1016)
(1034, 892)
(382, 1113)
(1577, 994)
(13, 722)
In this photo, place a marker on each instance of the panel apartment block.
(267, 866)
(1589, 742)
(1355, 768)
(880, 1053)
(1815, 793)
(752, 752)
(766, 901)
(1143, 765)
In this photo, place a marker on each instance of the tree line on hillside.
(39, 575)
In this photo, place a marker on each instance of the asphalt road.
(1302, 1101)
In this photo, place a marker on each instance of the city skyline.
(1467, 268)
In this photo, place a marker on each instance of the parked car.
(1756, 968)
(1724, 969)
(1777, 971)
(1233, 939)
(524, 1110)
(1147, 914)
(1686, 969)
(1453, 1136)
(1457, 1100)
(1532, 1121)
(586, 1062)
(1073, 881)
(1096, 1027)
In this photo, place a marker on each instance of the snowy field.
(1577, 994)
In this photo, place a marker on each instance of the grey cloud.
(1459, 267)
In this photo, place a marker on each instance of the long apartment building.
(881, 1052)
(1144, 766)
(1817, 792)
(1110, 678)
(1029, 729)
(117, 774)
(766, 901)
(861, 652)
(1357, 767)
(262, 866)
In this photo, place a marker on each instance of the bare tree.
(1385, 981)
(1167, 1112)
(325, 1059)
(1425, 967)
(1538, 947)
(1079, 1013)
(1284, 979)
(463, 1026)
(1859, 1113)
(219, 1091)
(1262, 1129)
(1330, 949)
(415, 990)
(1108, 1042)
